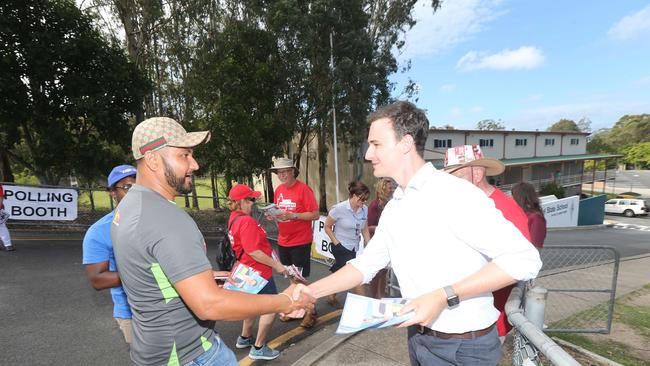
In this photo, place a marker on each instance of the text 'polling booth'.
(36, 203)
(322, 245)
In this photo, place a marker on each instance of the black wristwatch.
(452, 299)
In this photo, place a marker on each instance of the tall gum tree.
(67, 92)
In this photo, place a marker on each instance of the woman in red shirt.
(250, 245)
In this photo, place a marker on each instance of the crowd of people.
(455, 243)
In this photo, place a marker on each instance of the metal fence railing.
(530, 342)
(581, 284)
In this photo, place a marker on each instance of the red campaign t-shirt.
(296, 199)
(246, 233)
(515, 214)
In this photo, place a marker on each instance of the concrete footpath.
(388, 346)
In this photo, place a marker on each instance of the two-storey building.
(538, 157)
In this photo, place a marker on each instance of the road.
(51, 315)
(629, 180)
(633, 179)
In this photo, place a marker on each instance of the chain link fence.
(530, 345)
(581, 284)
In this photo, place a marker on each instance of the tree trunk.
(6, 174)
(228, 183)
(268, 180)
(214, 184)
(126, 11)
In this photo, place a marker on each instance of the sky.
(529, 63)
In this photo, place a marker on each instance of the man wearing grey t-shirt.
(160, 253)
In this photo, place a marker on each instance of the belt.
(467, 335)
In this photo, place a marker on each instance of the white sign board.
(34, 203)
(321, 240)
(562, 212)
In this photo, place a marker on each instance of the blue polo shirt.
(97, 248)
(349, 224)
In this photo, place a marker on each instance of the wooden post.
(593, 177)
(605, 177)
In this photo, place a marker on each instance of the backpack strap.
(229, 226)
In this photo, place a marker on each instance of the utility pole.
(336, 150)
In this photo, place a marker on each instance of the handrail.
(539, 340)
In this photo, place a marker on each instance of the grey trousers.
(428, 350)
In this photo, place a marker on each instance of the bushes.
(552, 189)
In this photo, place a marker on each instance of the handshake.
(302, 300)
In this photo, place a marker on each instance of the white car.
(626, 206)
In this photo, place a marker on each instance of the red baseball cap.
(241, 191)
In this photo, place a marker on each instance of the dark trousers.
(299, 255)
(429, 350)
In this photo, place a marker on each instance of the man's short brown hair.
(407, 119)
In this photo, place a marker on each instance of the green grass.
(203, 188)
(634, 316)
(613, 350)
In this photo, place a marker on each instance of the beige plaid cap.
(157, 132)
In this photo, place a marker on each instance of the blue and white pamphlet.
(246, 279)
(361, 312)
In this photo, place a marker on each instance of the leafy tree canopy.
(638, 154)
(66, 93)
(490, 125)
(564, 125)
(628, 130)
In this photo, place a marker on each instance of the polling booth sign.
(322, 243)
(39, 203)
(321, 240)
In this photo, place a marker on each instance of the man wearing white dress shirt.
(449, 247)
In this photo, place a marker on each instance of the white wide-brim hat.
(282, 163)
(471, 155)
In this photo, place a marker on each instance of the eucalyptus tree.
(67, 93)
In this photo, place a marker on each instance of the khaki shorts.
(125, 327)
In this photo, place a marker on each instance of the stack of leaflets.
(246, 279)
(362, 312)
(273, 211)
(295, 273)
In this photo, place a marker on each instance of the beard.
(176, 182)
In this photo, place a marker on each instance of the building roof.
(434, 130)
(555, 159)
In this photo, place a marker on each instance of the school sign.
(36, 203)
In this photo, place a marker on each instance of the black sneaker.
(10, 248)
